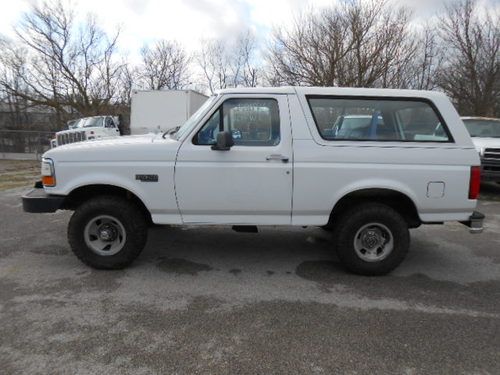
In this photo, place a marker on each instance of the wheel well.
(394, 199)
(84, 193)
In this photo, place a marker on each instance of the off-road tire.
(351, 221)
(130, 216)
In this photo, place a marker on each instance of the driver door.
(251, 183)
(111, 127)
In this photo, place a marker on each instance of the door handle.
(282, 158)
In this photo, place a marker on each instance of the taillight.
(475, 182)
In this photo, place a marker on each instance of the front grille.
(73, 137)
(492, 153)
(491, 168)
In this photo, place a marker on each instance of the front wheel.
(371, 239)
(107, 232)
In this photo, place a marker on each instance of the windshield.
(186, 127)
(89, 122)
(489, 128)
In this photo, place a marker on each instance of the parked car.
(264, 156)
(485, 133)
(88, 128)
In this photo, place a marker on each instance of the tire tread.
(350, 221)
(131, 217)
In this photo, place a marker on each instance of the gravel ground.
(209, 300)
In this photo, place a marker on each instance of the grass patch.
(18, 173)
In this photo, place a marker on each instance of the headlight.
(48, 173)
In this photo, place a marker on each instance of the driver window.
(208, 133)
(252, 122)
(109, 122)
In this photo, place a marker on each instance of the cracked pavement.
(209, 300)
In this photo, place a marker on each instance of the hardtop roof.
(337, 91)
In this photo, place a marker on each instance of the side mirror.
(224, 142)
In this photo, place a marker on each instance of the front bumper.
(38, 201)
(475, 222)
(490, 170)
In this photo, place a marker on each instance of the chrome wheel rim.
(105, 235)
(373, 242)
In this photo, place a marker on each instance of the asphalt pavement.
(213, 301)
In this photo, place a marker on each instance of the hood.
(77, 130)
(482, 143)
(149, 147)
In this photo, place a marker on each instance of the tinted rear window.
(375, 119)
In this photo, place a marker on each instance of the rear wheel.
(107, 232)
(371, 239)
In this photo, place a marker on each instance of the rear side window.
(376, 119)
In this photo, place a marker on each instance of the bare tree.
(229, 64)
(17, 106)
(429, 58)
(248, 71)
(61, 65)
(471, 73)
(164, 66)
(212, 61)
(355, 43)
(128, 81)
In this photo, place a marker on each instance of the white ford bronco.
(365, 164)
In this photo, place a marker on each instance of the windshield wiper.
(170, 131)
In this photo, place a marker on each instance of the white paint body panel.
(482, 143)
(239, 186)
(116, 162)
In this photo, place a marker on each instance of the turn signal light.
(475, 182)
(48, 181)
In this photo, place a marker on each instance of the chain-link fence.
(24, 144)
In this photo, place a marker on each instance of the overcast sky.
(190, 21)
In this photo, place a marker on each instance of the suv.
(485, 133)
(267, 156)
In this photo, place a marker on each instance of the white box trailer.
(160, 110)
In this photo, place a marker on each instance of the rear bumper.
(475, 222)
(38, 201)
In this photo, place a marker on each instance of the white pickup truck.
(485, 133)
(87, 129)
(274, 156)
